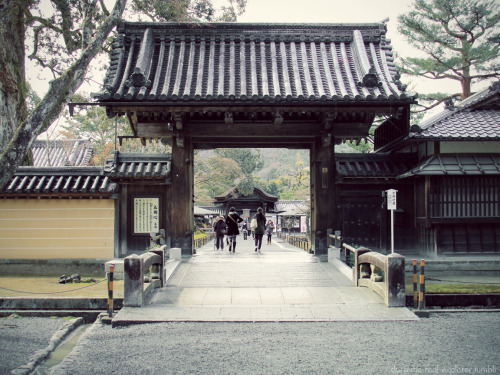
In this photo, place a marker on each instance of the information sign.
(391, 199)
(146, 215)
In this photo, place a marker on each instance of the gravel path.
(20, 338)
(445, 343)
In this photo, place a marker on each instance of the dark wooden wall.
(132, 242)
(366, 220)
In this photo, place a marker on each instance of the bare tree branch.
(52, 104)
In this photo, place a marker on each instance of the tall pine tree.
(460, 39)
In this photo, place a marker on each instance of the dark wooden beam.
(353, 108)
(228, 118)
(242, 130)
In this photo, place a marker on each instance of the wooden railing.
(346, 251)
(201, 241)
(142, 274)
(301, 242)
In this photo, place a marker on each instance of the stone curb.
(54, 342)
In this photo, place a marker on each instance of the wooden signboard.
(146, 215)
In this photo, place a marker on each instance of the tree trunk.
(466, 83)
(55, 99)
(13, 110)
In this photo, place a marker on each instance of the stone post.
(133, 281)
(395, 281)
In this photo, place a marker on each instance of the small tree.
(459, 37)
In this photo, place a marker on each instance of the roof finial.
(495, 86)
(448, 104)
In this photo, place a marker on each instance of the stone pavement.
(280, 283)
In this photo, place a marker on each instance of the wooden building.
(201, 86)
(362, 180)
(247, 205)
(447, 174)
(456, 177)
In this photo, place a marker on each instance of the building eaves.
(372, 165)
(475, 118)
(233, 193)
(59, 182)
(123, 166)
(464, 125)
(456, 165)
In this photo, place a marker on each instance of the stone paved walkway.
(280, 283)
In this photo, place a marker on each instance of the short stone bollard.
(133, 272)
(175, 253)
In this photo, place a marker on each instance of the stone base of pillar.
(185, 244)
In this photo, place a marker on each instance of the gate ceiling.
(265, 85)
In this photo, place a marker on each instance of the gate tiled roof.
(239, 63)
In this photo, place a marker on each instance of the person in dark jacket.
(261, 228)
(269, 231)
(232, 221)
(244, 227)
(220, 229)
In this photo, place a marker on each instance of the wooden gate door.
(361, 221)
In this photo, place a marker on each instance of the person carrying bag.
(232, 221)
(260, 228)
(220, 229)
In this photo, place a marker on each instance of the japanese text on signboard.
(391, 199)
(146, 215)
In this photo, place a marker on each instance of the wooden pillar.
(323, 196)
(181, 204)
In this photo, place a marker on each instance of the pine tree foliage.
(460, 39)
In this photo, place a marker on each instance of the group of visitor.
(229, 227)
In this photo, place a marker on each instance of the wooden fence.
(301, 242)
(201, 241)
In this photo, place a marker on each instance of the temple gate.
(222, 85)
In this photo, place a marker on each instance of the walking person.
(269, 231)
(220, 229)
(260, 228)
(244, 227)
(232, 221)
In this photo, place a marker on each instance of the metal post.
(110, 290)
(415, 292)
(421, 297)
(392, 231)
(116, 131)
